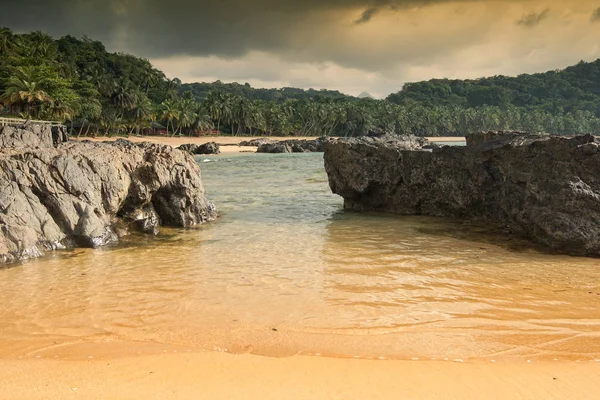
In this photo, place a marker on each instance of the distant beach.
(228, 144)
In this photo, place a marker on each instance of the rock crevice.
(546, 187)
(58, 194)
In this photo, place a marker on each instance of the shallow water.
(286, 271)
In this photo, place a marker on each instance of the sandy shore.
(228, 144)
(215, 375)
(446, 139)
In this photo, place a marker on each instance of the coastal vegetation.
(79, 82)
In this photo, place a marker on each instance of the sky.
(348, 45)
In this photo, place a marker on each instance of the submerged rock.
(90, 194)
(546, 187)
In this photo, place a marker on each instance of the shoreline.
(187, 374)
(228, 144)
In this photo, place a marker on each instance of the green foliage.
(78, 81)
(570, 90)
(202, 90)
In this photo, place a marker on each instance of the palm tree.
(186, 114)
(7, 41)
(98, 77)
(123, 97)
(226, 110)
(213, 103)
(172, 89)
(241, 113)
(203, 121)
(168, 113)
(43, 44)
(26, 87)
(150, 76)
(141, 111)
(110, 120)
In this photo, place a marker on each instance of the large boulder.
(196, 149)
(274, 147)
(294, 146)
(546, 187)
(255, 142)
(89, 194)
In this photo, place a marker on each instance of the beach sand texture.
(216, 375)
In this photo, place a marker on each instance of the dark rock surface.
(545, 187)
(89, 194)
(275, 147)
(294, 146)
(255, 142)
(206, 148)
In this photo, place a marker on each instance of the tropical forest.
(76, 81)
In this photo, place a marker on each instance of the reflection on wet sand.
(286, 272)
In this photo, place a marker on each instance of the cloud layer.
(350, 45)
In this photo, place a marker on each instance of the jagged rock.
(275, 147)
(295, 146)
(475, 139)
(545, 187)
(206, 148)
(89, 194)
(255, 142)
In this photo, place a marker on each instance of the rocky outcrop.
(54, 196)
(32, 136)
(274, 147)
(255, 142)
(196, 149)
(545, 187)
(294, 146)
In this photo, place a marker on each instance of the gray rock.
(89, 194)
(206, 148)
(255, 142)
(545, 187)
(35, 136)
(275, 147)
(295, 146)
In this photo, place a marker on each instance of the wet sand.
(446, 139)
(87, 324)
(185, 374)
(228, 144)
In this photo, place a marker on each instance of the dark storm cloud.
(367, 15)
(533, 19)
(210, 27)
(596, 15)
(351, 33)
(59, 17)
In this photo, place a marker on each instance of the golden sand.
(185, 374)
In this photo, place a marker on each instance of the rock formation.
(55, 195)
(206, 148)
(294, 146)
(546, 187)
(255, 142)
(274, 147)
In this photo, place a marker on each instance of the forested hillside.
(202, 90)
(96, 92)
(575, 88)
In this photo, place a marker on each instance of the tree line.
(96, 92)
(576, 88)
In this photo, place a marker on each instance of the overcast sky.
(348, 45)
